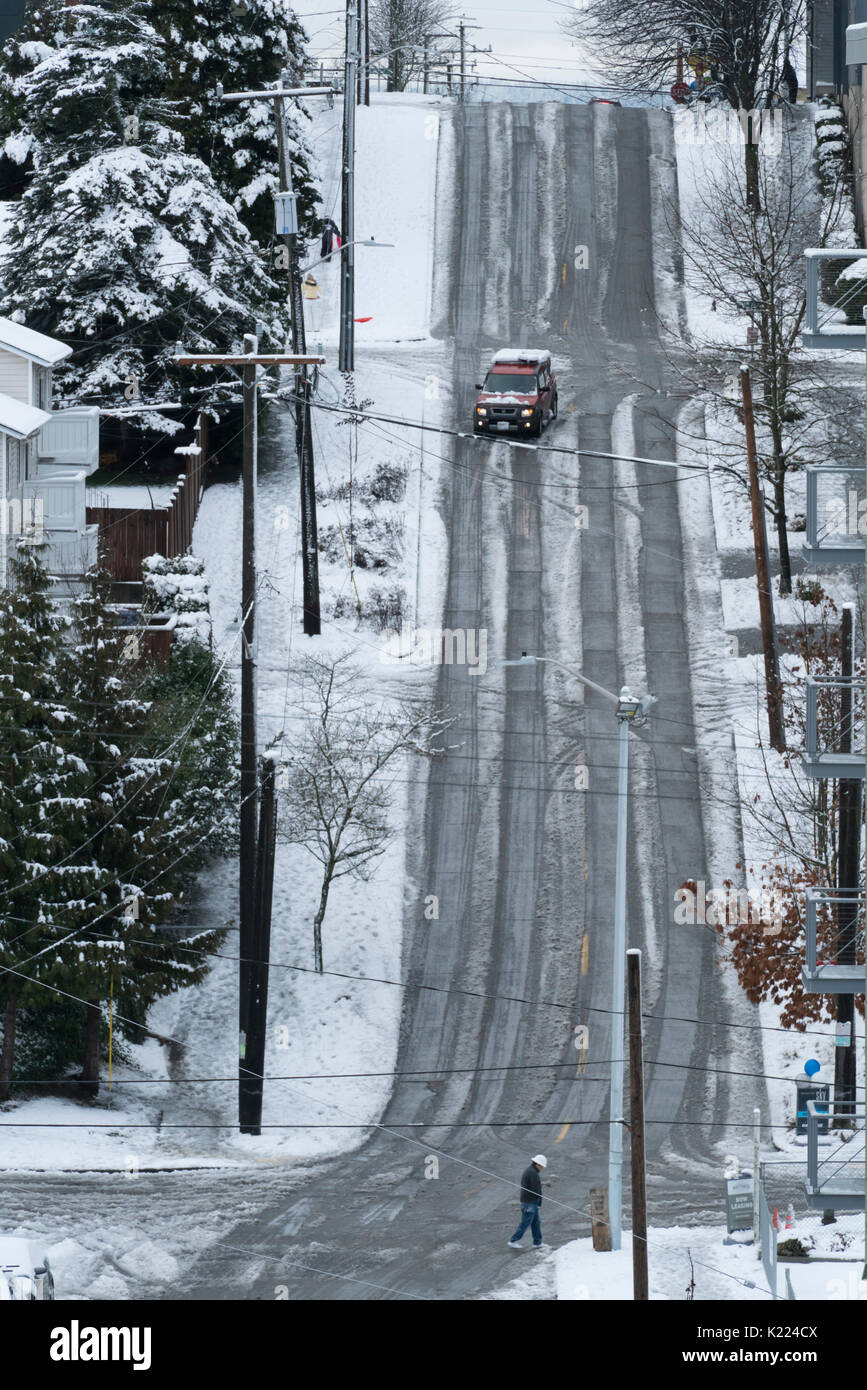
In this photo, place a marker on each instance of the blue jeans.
(529, 1217)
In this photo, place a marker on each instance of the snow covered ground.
(677, 1258)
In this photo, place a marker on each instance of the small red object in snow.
(367, 320)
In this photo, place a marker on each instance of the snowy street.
(513, 616)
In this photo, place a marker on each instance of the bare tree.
(750, 261)
(744, 45)
(336, 795)
(397, 32)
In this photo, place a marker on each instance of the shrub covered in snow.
(178, 585)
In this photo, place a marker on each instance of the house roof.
(20, 420)
(47, 352)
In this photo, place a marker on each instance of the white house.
(45, 456)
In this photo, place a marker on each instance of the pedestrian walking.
(310, 286)
(331, 239)
(790, 77)
(530, 1198)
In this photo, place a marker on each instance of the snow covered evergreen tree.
(18, 57)
(123, 785)
(216, 41)
(145, 839)
(122, 243)
(41, 799)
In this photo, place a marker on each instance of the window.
(43, 388)
(505, 383)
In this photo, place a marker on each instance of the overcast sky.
(525, 36)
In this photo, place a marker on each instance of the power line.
(513, 443)
(513, 999)
(398, 1073)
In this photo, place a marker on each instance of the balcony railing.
(837, 1183)
(71, 438)
(825, 326)
(833, 536)
(819, 761)
(824, 976)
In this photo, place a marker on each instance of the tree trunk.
(751, 167)
(7, 1056)
(90, 1066)
(782, 532)
(318, 919)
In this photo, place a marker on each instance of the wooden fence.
(131, 533)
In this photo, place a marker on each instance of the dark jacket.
(531, 1185)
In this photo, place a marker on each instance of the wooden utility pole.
(848, 882)
(636, 1121)
(248, 361)
(312, 620)
(252, 1076)
(303, 428)
(773, 687)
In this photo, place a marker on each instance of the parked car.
(519, 393)
(25, 1273)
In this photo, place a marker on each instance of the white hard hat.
(541, 1160)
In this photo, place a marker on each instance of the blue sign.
(811, 1067)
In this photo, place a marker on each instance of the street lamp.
(369, 241)
(628, 709)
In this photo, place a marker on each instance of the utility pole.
(848, 879)
(463, 26)
(367, 52)
(359, 49)
(249, 361)
(252, 1077)
(424, 63)
(303, 427)
(247, 855)
(636, 1119)
(615, 1098)
(312, 619)
(346, 350)
(773, 688)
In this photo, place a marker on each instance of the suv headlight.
(481, 410)
(525, 413)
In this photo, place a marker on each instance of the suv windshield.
(518, 385)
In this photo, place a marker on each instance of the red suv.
(519, 394)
